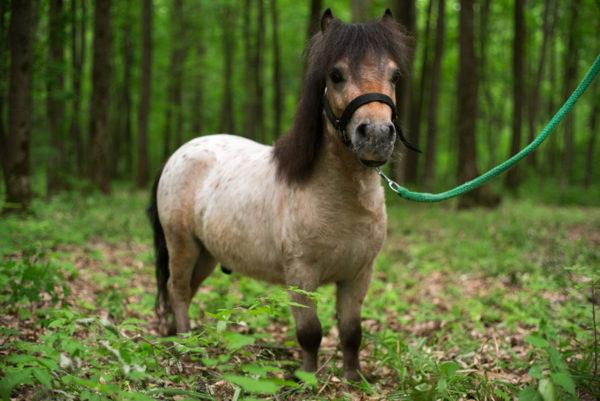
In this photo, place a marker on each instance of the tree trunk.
(122, 141)
(249, 75)
(197, 109)
(588, 177)
(360, 10)
(571, 56)
(432, 115)
(4, 7)
(412, 158)
(78, 28)
(17, 172)
(277, 87)
(488, 113)
(534, 106)
(512, 177)
(314, 18)
(406, 14)
(99, 105)
(227, 119)
(145, 93)
(258, 72)
(552, 148)
(55, 101)
(467, 110)
(174, 116)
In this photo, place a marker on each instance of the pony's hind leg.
(205, 265)
(183, 255)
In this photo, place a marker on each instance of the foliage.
(476, 304)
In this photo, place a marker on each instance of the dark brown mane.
(296, 152)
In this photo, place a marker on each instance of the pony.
(305, 212)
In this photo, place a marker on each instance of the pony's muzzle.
(374, 142)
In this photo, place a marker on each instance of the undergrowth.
(479, 304)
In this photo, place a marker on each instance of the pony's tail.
(162, 256)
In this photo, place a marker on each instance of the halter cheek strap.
(340, 123)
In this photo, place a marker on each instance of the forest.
(492, 296)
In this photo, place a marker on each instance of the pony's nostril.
(361, 130)
(391, 130)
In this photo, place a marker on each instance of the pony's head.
(346, 61)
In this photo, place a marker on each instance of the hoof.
(352, 375)
(167, 328)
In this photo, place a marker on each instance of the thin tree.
(467, 110)
(550, 97)
(17, 171)
(174, 114)
(258, 72)
(314, 17)
(277, 85)
(78, 28)
(4, 8)
(197, 104)
(489, 112)
(512, 176)
(249, 65)
(534, 97)
(412, 158)
(122, 135)
(55, 101)
(588, 178)
(434, 91)
(145, 93)
(227, 123)
(570, 75)
(405, 10)
(100, 102)
(359, 10)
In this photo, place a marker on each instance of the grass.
(470, 305)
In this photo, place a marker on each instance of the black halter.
(340, 123)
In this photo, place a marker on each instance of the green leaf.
(236, 341)
(537, 342)
(448, 369)
(564, 380)
(536, 372)
(43, 377)
(307, 377)
(257, 386)
(13, 379)
(529, 394)
(546, 390)
(556, 361)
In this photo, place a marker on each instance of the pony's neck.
(339, 170)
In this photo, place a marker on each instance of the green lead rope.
(499, 169)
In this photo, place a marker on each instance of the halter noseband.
(340, 123)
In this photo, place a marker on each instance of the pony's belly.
(235, 259)
(242, 249)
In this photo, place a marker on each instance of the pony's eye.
(396, 76)
(336, 76)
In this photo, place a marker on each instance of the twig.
(595, 352)
(326, 362)
(324, 385)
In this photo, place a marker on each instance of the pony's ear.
(326, 19)
(387, 15)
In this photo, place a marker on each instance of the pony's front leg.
(350, 295)
(308, 326)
